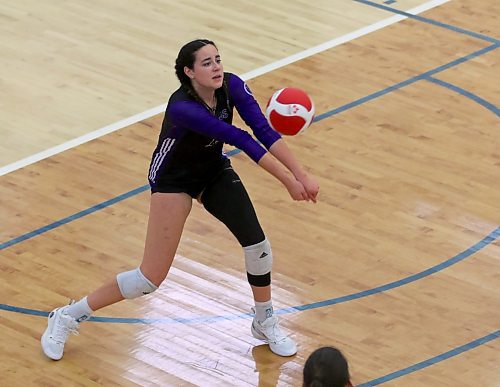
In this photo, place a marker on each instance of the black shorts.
(193, 188)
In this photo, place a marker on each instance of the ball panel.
(287, 125)
(292, 95)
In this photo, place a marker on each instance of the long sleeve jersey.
(190, 143)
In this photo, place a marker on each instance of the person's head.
(199, 64)
(326, 367)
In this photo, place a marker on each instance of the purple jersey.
(189, 149)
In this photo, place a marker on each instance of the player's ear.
(189, 72)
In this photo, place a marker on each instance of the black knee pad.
(259, 280)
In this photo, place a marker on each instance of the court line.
(467, 94)
(430, 21)
(427, 363)
(423, 76)
(73, 217)
(252, 74)
(490, 238)
(487, 240)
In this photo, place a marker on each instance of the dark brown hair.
(326, 367)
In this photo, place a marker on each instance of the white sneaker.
(60, 325)
(270, 332)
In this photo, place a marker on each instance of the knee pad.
(134, 284)
(258, 258)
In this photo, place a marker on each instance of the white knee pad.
(259, 258)
(134, 284)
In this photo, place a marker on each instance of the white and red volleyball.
(290, 111)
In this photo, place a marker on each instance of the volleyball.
(290, 111)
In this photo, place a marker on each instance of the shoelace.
(63, 329)
(273, 330)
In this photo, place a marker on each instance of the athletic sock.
(80, 310)
(263, 310)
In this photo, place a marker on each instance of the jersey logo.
(263, 255)
(211, 143)
(223, 114)
(247, 89)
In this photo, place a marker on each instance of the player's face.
(207, 69)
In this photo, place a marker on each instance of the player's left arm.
(250, 111)
(281, 151)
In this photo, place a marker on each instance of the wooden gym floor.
(398, 264)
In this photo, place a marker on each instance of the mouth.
(217, 77)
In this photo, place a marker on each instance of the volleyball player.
(188, 163)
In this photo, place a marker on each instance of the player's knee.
(258, 263)
(134, 284)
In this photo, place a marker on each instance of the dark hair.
(187, 56)
(326, 367)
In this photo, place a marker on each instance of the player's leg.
(168, 213)
(227, 199)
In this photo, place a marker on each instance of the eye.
(206, 64)
(218, 61)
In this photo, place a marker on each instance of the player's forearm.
(281, 151)
(269, 163)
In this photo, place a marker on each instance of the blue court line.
(427, 363)
(407, 82)
(467, 94)
(430, 21)
(73, 217)
(490, 238)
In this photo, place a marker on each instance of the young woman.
(326, 367)
(188, 163)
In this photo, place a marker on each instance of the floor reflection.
(268, 365)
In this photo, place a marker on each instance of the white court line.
(252, 74)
